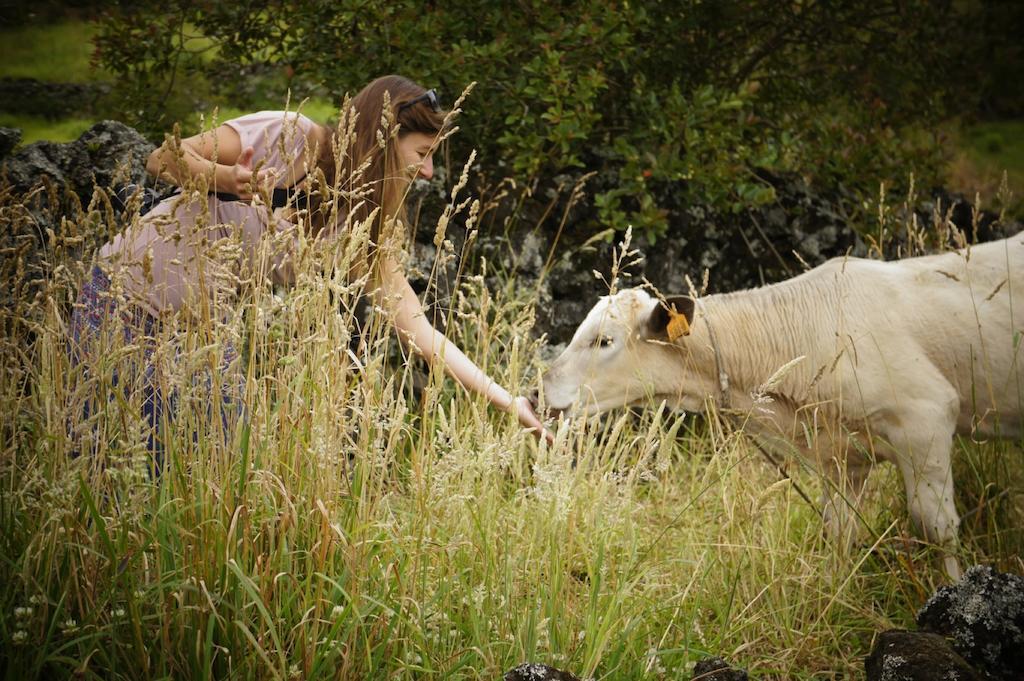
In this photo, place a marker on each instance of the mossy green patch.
(60, 52)
(991, 164)
(36, 128)
(999, 144)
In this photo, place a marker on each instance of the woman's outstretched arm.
(416, 332)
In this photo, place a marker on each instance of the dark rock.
(717, 669)
(106, 154)
(532, 671)
(116, 153)
(983, 614)
(916, 656)
(27, 168)
(9, 139)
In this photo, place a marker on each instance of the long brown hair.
(372, 174)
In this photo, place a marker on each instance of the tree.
(686, 98)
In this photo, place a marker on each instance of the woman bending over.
(162, 263)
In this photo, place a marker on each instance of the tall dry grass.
(347, 521)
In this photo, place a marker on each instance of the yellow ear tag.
(677, 326)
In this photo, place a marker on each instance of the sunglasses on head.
(430, 96)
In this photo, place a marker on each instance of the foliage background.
(667, 101)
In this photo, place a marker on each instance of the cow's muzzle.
(548, 411)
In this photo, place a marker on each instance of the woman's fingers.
(266, 179)
(249, 183)
(243, 177)
(529, 419)
(245, 159)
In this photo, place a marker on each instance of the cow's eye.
(603, 342)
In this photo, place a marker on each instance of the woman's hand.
(528, 418)
(242, 181)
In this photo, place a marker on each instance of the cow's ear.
(671, 318)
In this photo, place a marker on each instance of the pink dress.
(192, 248)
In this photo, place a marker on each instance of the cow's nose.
(549, 411)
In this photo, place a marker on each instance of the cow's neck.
(747, 338)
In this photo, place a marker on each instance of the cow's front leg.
(929, 483)
(923, 445)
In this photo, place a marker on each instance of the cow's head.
(624, 352)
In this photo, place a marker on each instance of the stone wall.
(804, 227)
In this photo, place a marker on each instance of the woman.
(165, 263)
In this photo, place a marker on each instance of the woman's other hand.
(243, 182)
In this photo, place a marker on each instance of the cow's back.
(965, 311)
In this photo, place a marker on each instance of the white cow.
(885, 359)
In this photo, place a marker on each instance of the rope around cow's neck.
(723, 403)
(723, 378)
